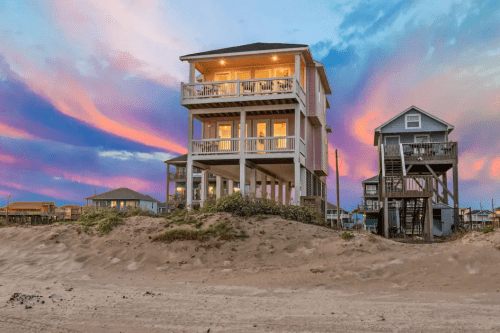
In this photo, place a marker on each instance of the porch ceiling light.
(222, 62)
(275, 58)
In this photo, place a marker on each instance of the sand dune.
(287, 276)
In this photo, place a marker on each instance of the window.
(412, 121)
(122, 204)
(436, 213)
(113, 204)
(422, 138)
(131, 204)
(224, 133)
(371, 189)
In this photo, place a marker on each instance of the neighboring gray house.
(415, 158)
(331, 215)
(124, 198)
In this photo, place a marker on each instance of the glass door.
(261, 131)
(279, 130)
(223, 88)
(224, 132)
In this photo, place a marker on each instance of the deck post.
(168, 183)
(288, 193)
(280, 192)
(273, 189)
(445, 182)
(455, 193)
(192, 78)
(204, 187)
(386, 218)
(243, 166)
(218, 187)
(297, 141)
(253, 182)
(189, 166)
(430, 221)
(263, 185)
(230, 186)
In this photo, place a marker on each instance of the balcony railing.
(242, 88)
(179, 175)
(408, 186)
(182, 197)
(369, 208)
(425, 151)
(279, 144)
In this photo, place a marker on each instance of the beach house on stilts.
(257, 121)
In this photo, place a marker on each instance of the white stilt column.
(253, 182)
(273, 189)
(243, 176)
(280, 192)
(288, 193)
(243, 167)
(189, 174)
(296, 199)
(218, 187)
(230, 186)
(204, 187)
(263, 185)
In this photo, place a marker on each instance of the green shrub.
(138, 211)
(487, 229)
(347, 235)
(103, 218)
(221, 230)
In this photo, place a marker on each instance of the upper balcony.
(245, 80)
(423, 152)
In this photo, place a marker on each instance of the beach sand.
(286, 277)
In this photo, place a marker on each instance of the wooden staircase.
(413, 215)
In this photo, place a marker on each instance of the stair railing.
(403, 167)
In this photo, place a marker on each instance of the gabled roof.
(373, 180)
(481, 212)
(122, 193)
(254, 47)
(182, 159)
(30, 204)
(413, 107)
(331, 206)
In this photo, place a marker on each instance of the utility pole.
(7, 210)
(338, 191)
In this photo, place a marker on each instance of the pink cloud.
(8, 159)
(343, 166)
(110, 182)
(470, 165)
(70, 98)
(11, 132)
(495, 168)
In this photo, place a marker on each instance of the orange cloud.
(8, 159)
(110, 182)
(343, 166)
(364, 127)
(495, 168)
(11, 132)
(69, 97)
(470, 165)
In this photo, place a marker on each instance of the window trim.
(391, 136)
(419, 121)
(427, 135)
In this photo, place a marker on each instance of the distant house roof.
(254, 47)
(70, 206)
(373, 180)
(30, 204)
(413, 107)
(181, 159)
(481, 212)
(122, 193)
(331, 206)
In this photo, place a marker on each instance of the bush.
(247, 206)
(221, 230)
(488, 229)
(347, 235)
(103, 218)
(138, 211)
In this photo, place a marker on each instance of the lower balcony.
(231, 146)
(408, 186)
(373, 208)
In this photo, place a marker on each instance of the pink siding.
(317, 148)
(310, 146)
(311, 90)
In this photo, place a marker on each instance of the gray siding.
(406, 137)
(427, 124)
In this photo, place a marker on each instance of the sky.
(90, 90)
